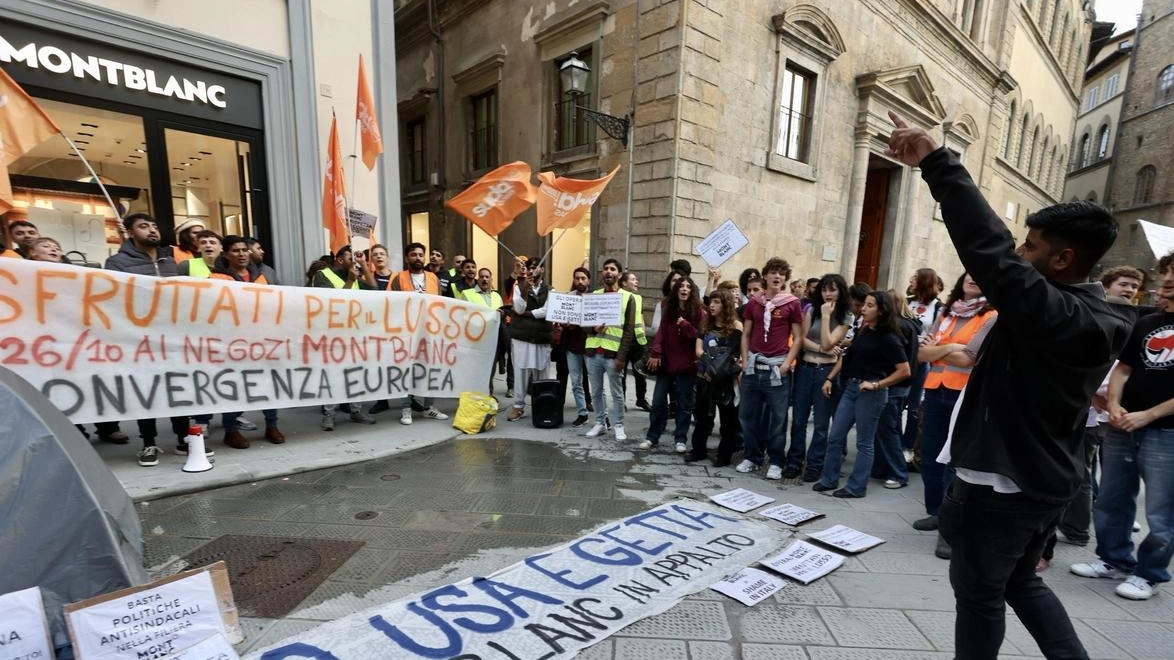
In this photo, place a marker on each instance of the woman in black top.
(874, 361)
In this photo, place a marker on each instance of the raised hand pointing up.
(908, 145)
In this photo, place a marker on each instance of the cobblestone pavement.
(477, 504)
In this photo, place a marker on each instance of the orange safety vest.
(221, 276)
(952, 332)
(403, 282)
(11, 254)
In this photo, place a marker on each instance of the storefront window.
(571, 251)
(210, 181)
(418, 228)
(54, 190)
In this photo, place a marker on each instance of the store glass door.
(213, 179)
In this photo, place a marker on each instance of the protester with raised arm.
(1016, 438)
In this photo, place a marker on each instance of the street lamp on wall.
(574, 73)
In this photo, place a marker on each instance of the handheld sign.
(741, 500)
(565, 308)
(361, 222)
(1159, 237)
(804, 562)
(790, 514)
(749, 586)
(721, 244)
(590, 309)
(24, 634)
(155, 620)
(846, 539)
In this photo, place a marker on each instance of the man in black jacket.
(1016, 438)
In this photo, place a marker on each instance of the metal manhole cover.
(271, 575)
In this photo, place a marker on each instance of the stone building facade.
(1095, 138)
(1142, 178)
(772, 113)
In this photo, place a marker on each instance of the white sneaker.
(681, 448)
(1098, 569)
(1135, 588)
(775, 472)
(243, 424)
(647, 444)
(1136, 526)
(746, 466)
(433, 413)
(405, 417)
(621, 434)
(595, 431)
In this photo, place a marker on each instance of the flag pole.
(354, 167)
(551, 248)
(97, 179)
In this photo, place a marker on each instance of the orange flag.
(497, 198)
(368, 125)
(334, 215)
(562, 203)
(23, 125)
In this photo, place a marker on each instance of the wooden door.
(872, 226)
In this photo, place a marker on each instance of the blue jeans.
(913, 405)
(757, 396)
(1126, 457)
(577, 367)
(809, 380)
(935, 426)
(597, 366)
(862, 410)
(890, 460)
(684, 386)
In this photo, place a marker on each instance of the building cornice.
(1053, 64)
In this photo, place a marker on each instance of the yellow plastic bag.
(476, 412)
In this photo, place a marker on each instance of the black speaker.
(546, 405)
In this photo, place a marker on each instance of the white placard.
(24, 634)
(152, 623)
(361, 222)
(804, 562)
(1160, 238)
(721, 244)
(741, 500)
(749, 586)
(790, 514)
(216, 647)
(589, 310)
(846, 538)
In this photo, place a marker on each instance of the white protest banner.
(147, 622)
(603, 309)
(105, 346)
(24, 633)
(790, 514)
(804, 562)
(846, 539)
(749, 586)
(361, 222)
(590, 309)
(1159, 237)
(554, 603)
(722, 243)
(215, 647)
(741, 500)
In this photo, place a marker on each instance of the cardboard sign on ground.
(155, 620)
(24, 633)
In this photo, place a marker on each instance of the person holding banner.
(23, 234)
(209, 249)
(530, 335)
(186, 239)
(379, 274)
(607, 349)
(344, 272)
(416, 278)
(484, 294)
(467, 280)
(770, 321)
(258, 252)
(142, 254)
(676, 345)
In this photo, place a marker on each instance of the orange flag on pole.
(562, 203)
(495, 199)
(368, 125)
(334, 215)
(23, 125)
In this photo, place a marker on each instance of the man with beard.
(186, 246)
(23, 234)
(569, 358)
(415, 279)
(141, 254)
(607, 349)
(483, 293)
(258, 253)
(530, 334)
(468, 280)
(345, 272)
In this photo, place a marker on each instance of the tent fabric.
(68, 525)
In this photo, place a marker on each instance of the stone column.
(906, 224)
(855, 206)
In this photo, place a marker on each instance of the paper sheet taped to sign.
(721, 244)
(105, 346)
(24, 634)
(589, 309)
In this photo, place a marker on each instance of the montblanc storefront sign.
(56, 60)
(40, 58)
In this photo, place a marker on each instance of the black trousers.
(705, 409)
(148, 429)
(996, 539)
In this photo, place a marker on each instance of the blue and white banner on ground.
(554, 603)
